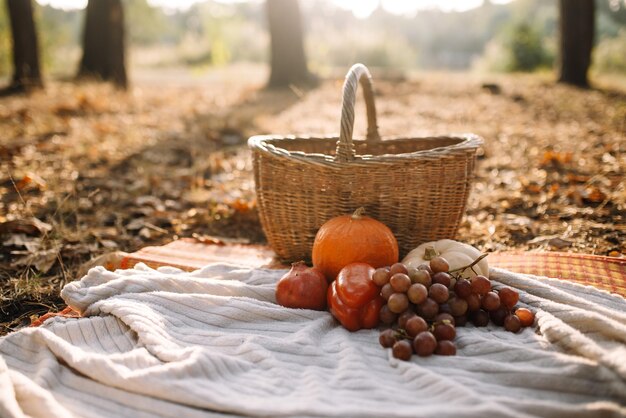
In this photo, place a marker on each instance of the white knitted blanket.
(213, 342)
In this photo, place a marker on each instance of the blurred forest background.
(89, 170)
(520, 35)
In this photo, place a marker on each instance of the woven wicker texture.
(418, 187)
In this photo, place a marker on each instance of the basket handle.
(345, 146)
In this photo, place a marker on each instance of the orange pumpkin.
(352, 239)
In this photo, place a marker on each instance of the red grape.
(460, 321)
(386, 291)
(405, 316)
(512, 323)
(400, 282)
(426, 304)
(397, 268)
(525, 316)
(425, 267)
(438, 292)
(444, 308)
(458, 306)
(473, 302)
(445, 348)
(491, 301)
(424, 344)
(415, 325)
(497, 316)
(444, 332)
(439, 264)
(428, 309)
(417, 293)
(402, 350)
(480, 318)
(463, 288)
(387, 338)
(508, 297)
(443, 317)
(381, 276)
(480, 285)
(398, 302)
(386, 316)
(443, 278)
(420, 276)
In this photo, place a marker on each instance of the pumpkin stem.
(358, 213)
(430, 253)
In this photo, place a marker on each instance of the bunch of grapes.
(426, 304)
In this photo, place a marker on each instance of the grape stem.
(469, 266)
(401, 334)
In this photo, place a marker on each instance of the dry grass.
(105, 170)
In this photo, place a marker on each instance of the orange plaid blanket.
(607, 273)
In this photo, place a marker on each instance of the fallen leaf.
(533, 188)
(148, 200)
(145, 233)
(31, 179)
(103, 128)
(554, 187)
(516, 223)
(110, 261)
(574, 194)
(217, 240)
(577, 178)
(135, 224)
(22, 240)
(41, 260)
(155, 228)
(559, 243)
(555, 158)
(70, 250)
(197, 196)
(593, 195)
(541, 239)
(241, 205)
(492, 88)
(64, 110)
(142, 211)
(108, 233)
(107, 243)
(29, 226)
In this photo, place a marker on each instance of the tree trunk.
(576, 40)
(288, 61)
(26, 73)
(103, 42)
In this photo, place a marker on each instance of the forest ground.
(86, 169)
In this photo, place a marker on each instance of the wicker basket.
(418, 187)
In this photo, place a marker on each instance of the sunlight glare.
(360, 8)
(363, 8)
(64, 4)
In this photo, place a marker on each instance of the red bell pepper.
(354, 299)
